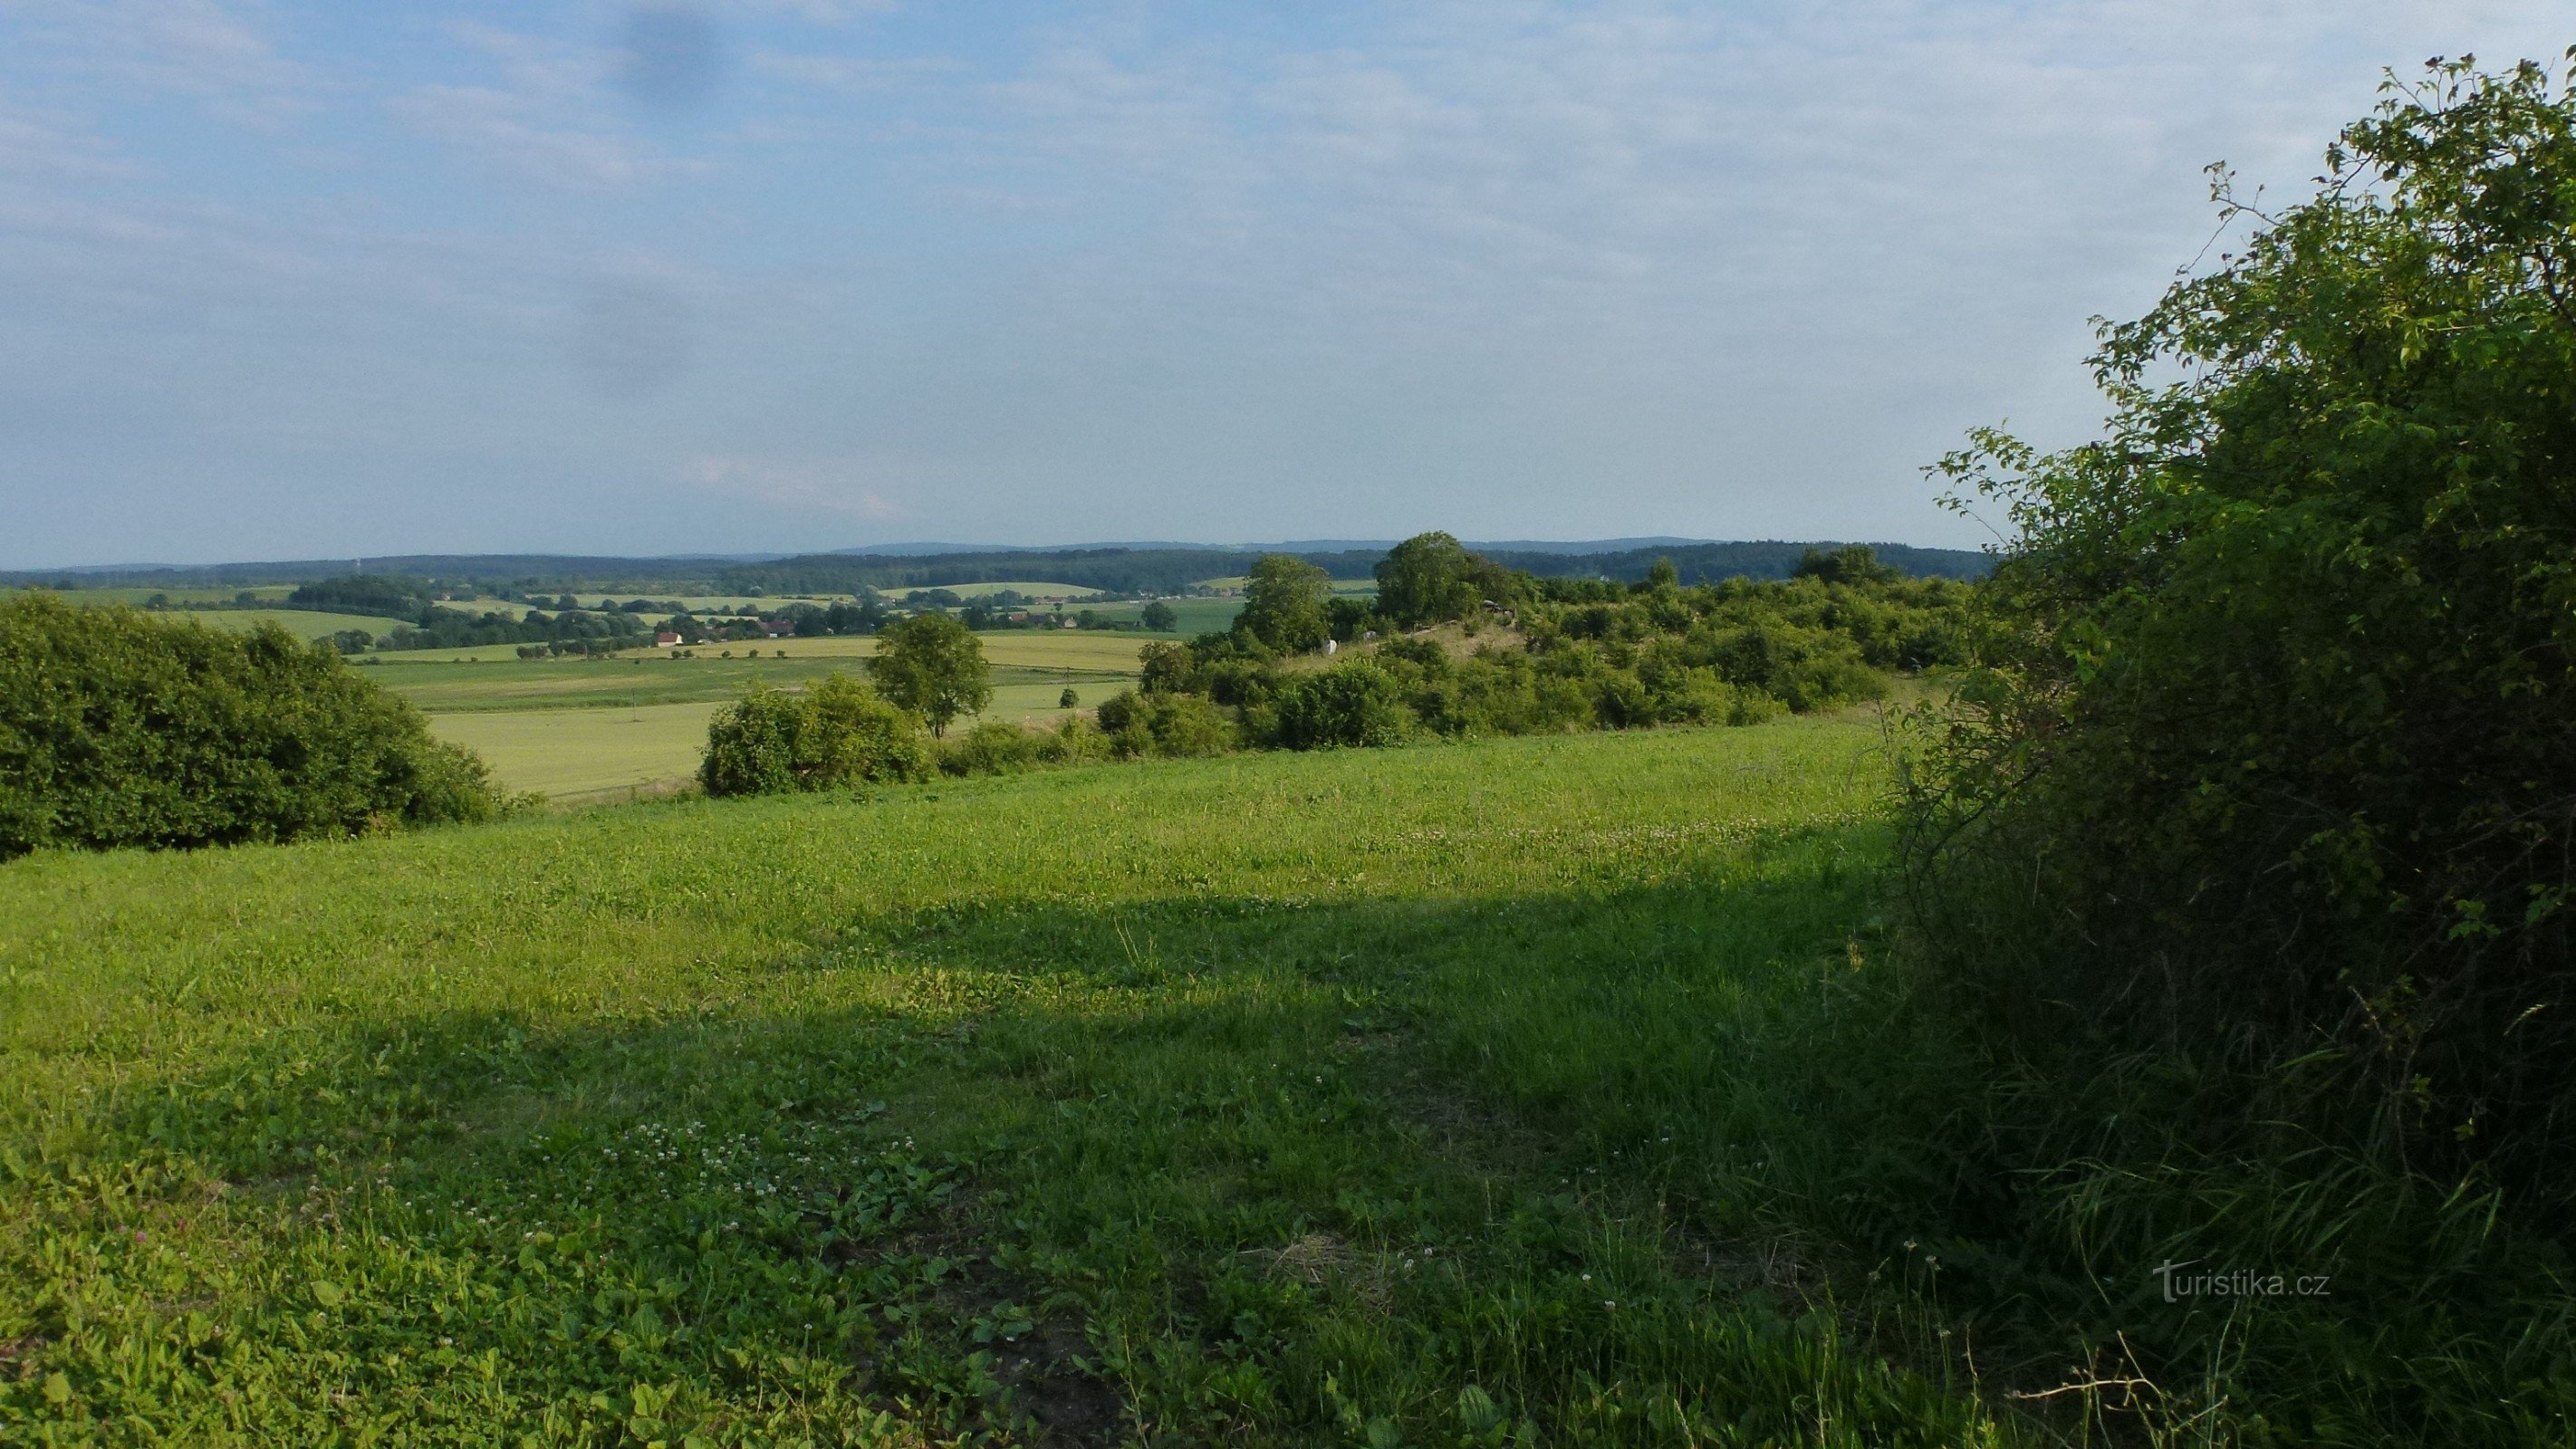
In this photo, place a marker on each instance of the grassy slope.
(1387, 1097)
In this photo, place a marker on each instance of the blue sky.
(286, 279)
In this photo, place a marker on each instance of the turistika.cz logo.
(2240, 1283)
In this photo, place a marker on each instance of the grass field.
(1410, 1097)
(583, 753)
(577, 730)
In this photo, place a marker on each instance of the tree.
(1431, 577)
(1068, 700)
(934, 666)
(1852, 564)
(1159, 618)
(1283, 603)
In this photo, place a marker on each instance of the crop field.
(1425, 1096)
(577, 753)
(578, 729)
(650, 679)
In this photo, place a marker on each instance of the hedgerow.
(120, 728)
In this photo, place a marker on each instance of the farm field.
(575, 730)
(1424, 1096)
(650, 679)
(573, 754)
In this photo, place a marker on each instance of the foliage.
(119, 728)
(2281, 723)
(1283, 604)
(934, 666)
(389, 595)
(1175, 725)
(835, 735)
(1158, 617)
(1856, 564)
(994, 747)
(1353, 704)
(1578, 653)
(1431, 577)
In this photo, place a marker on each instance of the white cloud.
(807, 487)
(504, 127)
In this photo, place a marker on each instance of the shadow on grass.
(1567, 1169)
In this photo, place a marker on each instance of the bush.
(836, 735)
(990, 748)
(1175, 725)
(2281, 712)
(1353, 704)
(122, 729)
(1074, 741)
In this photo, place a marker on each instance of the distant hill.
(1122, 568)
(1167, 570)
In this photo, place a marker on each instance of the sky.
(286, 280)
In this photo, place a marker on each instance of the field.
(577, 729)
(1384, 1097)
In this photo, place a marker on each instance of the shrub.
(1353, 704)
(122, 729)
(1073, 741)
(835, 735)
(2280, 714)
(1178, 725)
(990, 748)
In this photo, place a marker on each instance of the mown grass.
(1459, 1095)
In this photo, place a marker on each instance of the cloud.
(504, 127)
(40, 145)
(830, 489)
(200, 49)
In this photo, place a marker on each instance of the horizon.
(644, 277)
(934, 549)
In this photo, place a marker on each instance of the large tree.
(934, 666)
(1283, 603)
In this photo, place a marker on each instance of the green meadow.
(1456, 1095)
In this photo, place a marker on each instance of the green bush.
(2282, 705)
(119, 728)
(836, 735)
(1352, 704)
(990, 748)
(1176, 725)
(1073, 741)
